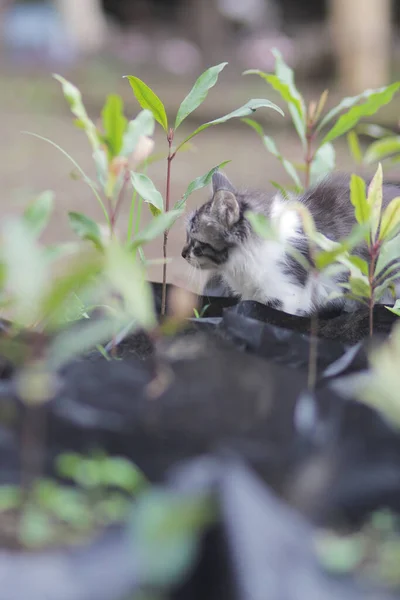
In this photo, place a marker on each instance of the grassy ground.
(33, 102)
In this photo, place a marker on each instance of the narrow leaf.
(198, 93)
(323, 163)
(114, 124)
(74, 99)
(375, 194)
(199, 183)
(147, 190)
(395, 309)
(360, 287)
(354, 147)
(388, 254)
(247, 109)
(390, 220)
(148, 99)
(37, 214)
(382, 149)
(156, 227)
(283, 82)
(287, 165)
(85, 228)
(359, 199)
(374, 101)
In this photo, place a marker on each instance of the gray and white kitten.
(220, 239)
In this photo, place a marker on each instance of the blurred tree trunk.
(361, 32)
(203, 24)
(85, 23)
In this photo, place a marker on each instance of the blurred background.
(344, 45)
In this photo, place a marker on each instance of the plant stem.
(131, 217)
(115, 211)
(371, 278)
(309, 156)
(170, 157)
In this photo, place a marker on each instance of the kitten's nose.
(185, 251)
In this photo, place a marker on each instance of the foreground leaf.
(375, 99)
(85, 228)
(74, 98)
(323, 163)
(382, 149)
(390, 223)
(37, 214)
(247, 109)
(287, 165)
(198, 93)
(283, 82)
(114, 124)
(128, 279)
(358, 199)
(156, 227)
(354, 147)
(395, 309)
(199, 183)
(148, 99)
(27, 276)
(375, 196)
(147, 190)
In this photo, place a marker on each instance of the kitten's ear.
(225, 207)
(221, 182)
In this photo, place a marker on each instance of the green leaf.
(389, 252)
(375, 194)
(261, 225)
(27, 276)
(85, 228)
(359, 199)
(148, 99)
(37, 214)
(73, 342)
(254, 125)
(360, 287)
(287, 165)
(198, 93)
(247, 109)
(360, 264)
(283, 82)
(354, 147)
(199, 183)
(390, 220)
(382, 149)
(147, 190)
(35, 527)
(114, 124)
(143, 125)
(76, 279)
(395, 309)
(74, 99)
(323, 163)
(375, 99)
(128, 279)
(156, 227)
(381, 289)
(166, 527)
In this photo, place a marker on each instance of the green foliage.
(198, 93)
(54, 514)
(199, 183)
(147, 190)
(319, 154)
(114, 125)
(85, 228)
(149, 100)
(166, 528)
(247, 109)
(37, 214)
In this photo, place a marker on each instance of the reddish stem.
(309, 155)
(170, 158)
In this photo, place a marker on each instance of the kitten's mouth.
(201, 264)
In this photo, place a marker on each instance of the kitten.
(220, 239)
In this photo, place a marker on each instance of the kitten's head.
(215, 228)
